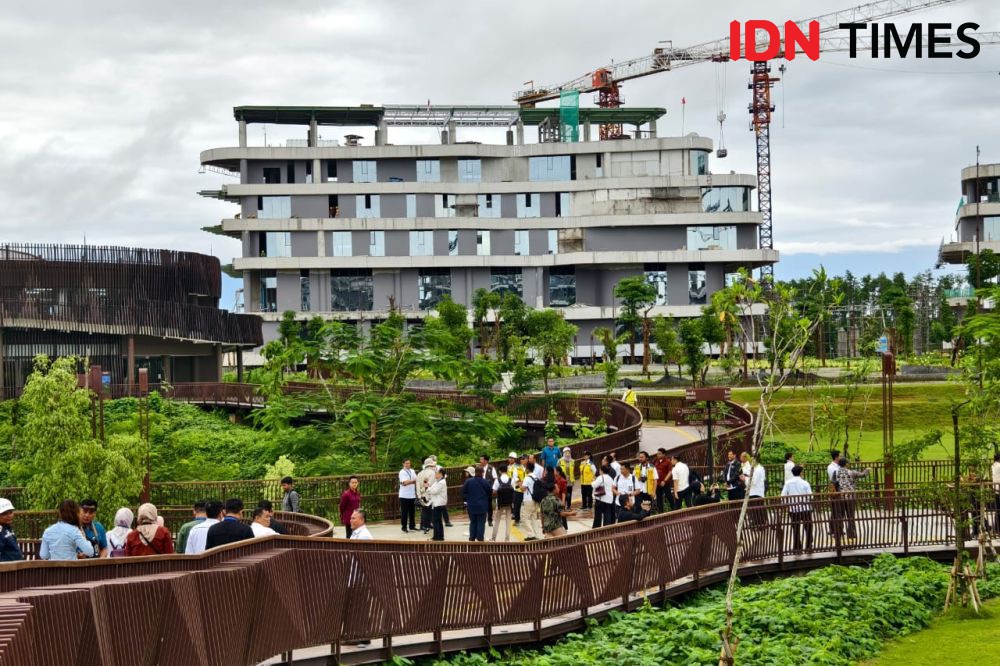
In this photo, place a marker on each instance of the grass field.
(956, 638)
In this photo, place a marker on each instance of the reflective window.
(562, 287)
(376, 244)
(991, 228)
(271, 208)
(549, 168)
(528, 205)
(731, 279)
(711, 238)
(433, 284)
(658, 278)
(367, 206)
(268, 291)
(506, 279)
(428, 171)
(421, 243)
(342, 244)
(364, 171)
(304, 291)
(599, 168)
(271, 175)
(697, 287)
(411, 205)
(489, 205)
(483, 243)
(444, 205)
(521, 243)
(350, 290)
(725, 199)
(452, 243)
(470, 171)
(562, 204)
(277, 244)
(553, 241)
(698, 162)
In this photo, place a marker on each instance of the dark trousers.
(802, 521)
(663, 498)
(996, 518)
(735, 494)
(848, 506)
(518, 501)
(587, 496)
(439, 513)
(569, 496)
(684, 497)
(489, 511)
(408, 513)
(477, 526)
(348, 531)
(426, 517)
(604, 514)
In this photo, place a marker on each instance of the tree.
(551, 338)
(449, 332)
(636, 295)
(693, 343)
(665, 337)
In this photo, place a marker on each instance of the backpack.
(505, 494)
(538, 491)
(115, 550)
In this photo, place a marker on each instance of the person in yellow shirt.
(588, 471)
(647, 477)
(515, 470)
(629, 397)
(568, 469)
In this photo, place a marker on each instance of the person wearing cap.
(503, 490)
(476, 492)
(425, 479)
(9, 550)
(517, 473)
(567, 467)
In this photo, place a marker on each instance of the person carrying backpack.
(117, 536)
(503, 491)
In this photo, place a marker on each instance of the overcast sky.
(105, 106)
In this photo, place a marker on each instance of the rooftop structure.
(977, 224)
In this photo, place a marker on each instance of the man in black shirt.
(231, 529)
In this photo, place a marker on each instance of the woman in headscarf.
(118, 536)
(149, 537)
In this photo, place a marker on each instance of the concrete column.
(452, 131)
(131, 364)
(519, 130)
(218, 363)
(244, 172)
(317, 170)
(239, 365)
(165, 362)
(243, 134)
(313, 133)
(321, 243)
(586, 131)
(652, 128)
(510, 137)
(444, 137)
(540, 288)
(382, 133)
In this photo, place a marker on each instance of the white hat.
(428, 462)
(512, 455)
(470, 470)
(504, 478)
(567, 450)
(5, 505)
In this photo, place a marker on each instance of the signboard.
(702, 394)
(729, 421)
(883, 345)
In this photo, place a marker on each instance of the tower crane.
(606, 82)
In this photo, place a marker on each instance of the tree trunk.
(372, 450)
(545, 377)
(645, 346)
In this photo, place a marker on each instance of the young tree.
(636, 295)
(551, 338)
(665, 337)
(693, 343)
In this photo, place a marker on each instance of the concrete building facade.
(977, 223)
(342, 230)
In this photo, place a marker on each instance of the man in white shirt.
(408, 497)
(682, 488)
(604, 499)
(756, 489)
(833, 467)
(789, 464)
(199, 533)
(261, 524)
(530, 519)
(625, 483)
(490, 476)
(799, 495)
(539, 467)
(615, 465)
(359, 530)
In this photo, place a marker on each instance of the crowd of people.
(78, 535)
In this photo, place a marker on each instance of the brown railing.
(280, 594)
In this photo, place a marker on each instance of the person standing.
(149, 537)
(995, 478)
(846, 485)
(550, 454)
(503, 489)
(799, 495)
(604, 498)
(359, 526)
(408, 497)
(438, 495)
(789, 464)
(629, 397)
(554, 515)
(92, 529)
(426, 478)
(568, 470)
(626, 485)
(231, 529)
(682, 486)
(119, 534)
(616, 466)
(490, 477)
(646, 479)
(833, 467)
(198, 512)
(198, 537)
(261, 525)
(350, 501)
(290, 498)
(529, 508)
(756, 488)
(664, 480)
(517, 472)
(447, 518)
(476, 492)
(10, 551)
(64, 541)
(732, 474)
(587, 474)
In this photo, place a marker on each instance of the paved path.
(669, 437)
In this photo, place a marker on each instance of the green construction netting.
(569, 115)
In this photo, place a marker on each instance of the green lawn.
(871, 443)
(957, 638)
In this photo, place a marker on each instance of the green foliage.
(636, 295)
(834, 616)
(666, 339)
(693, 344)
(281, 468)
(551, 338)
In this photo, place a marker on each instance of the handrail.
(295, 592)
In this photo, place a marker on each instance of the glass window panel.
(304, 291)
(342, 244)
(549, 168)
(432, 286)
(562, 288)
(444, 205)
(725, 199)
(428, 171)
(376, 244)
(272, 175)
(658, 278)
(274, 208)
(411, 205)
(697, 288)
(364, 171)
(699, 162)
(452, 243)
(489, 205)
(711, 238)
(470, 171)
(991, 228)
(277, 244)
(731, 279)
(506, 279)
(268, 292)
(350, 290)
(562, 205)
(367, 206)
(521, 243)
(421, 243)
(483, 243)
(528, 205)
(553, 241)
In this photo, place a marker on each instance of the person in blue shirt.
(93, 530)
(65, 539)
(550, 454)
(9, 550)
